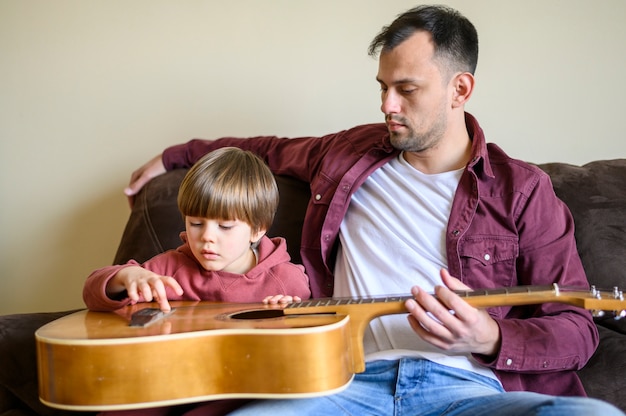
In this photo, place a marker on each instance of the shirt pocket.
(322, 190)
(489, 261)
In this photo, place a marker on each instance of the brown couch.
(595, 193)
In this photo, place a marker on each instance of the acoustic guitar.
(139, 357)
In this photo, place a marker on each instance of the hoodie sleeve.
(94, 290)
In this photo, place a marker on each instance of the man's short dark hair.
(454, 36)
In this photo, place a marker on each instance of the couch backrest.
(595, 194)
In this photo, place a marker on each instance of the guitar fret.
(507, 291)
(400, 298)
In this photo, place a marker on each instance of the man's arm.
(297, 157)
(153, 168)
(284, 156)
(550, 336)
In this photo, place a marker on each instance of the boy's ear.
(256, 236)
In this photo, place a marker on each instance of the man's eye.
(408, 90)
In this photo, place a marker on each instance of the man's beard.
(411, 141)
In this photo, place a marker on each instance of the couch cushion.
(294, 198)
(603, 375)
(596, 195)
(155, 222)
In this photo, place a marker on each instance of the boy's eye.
(194, 221)
(226, 226)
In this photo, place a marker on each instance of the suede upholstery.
(595, 193)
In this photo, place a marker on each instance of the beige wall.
(89, 90)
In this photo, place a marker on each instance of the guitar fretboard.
(517, 290)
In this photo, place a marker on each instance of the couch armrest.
(18, 372)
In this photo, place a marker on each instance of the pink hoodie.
(273, 275)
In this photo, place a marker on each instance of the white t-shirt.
(392, 238)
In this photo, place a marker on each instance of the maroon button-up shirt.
(506, 228)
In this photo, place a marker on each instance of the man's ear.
(463, 86)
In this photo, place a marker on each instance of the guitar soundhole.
(258, 314)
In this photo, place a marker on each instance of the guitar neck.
(363, 310)
(592, 299)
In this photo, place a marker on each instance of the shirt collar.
(479, 146)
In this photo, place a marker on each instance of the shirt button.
(318, 197)
(509, 361)
(487, 257)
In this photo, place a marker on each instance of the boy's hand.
(138, 281)
(282, 299)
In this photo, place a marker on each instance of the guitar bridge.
(147, 316)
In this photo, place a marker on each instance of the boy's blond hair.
(230, 184)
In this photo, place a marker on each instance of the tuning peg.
(597, 313)
(619, 315)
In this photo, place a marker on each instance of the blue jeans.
(411, 387)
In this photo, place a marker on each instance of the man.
(413, 202)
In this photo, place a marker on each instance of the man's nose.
(390, 103)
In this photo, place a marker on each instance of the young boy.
(228, 200)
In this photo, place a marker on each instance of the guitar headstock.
(601, 302)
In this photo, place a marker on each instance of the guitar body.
(206, 351)
(96, 361)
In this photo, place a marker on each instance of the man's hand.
(138, 281)
(153, 168)
(450, 323)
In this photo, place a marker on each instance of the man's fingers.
(452, 282)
